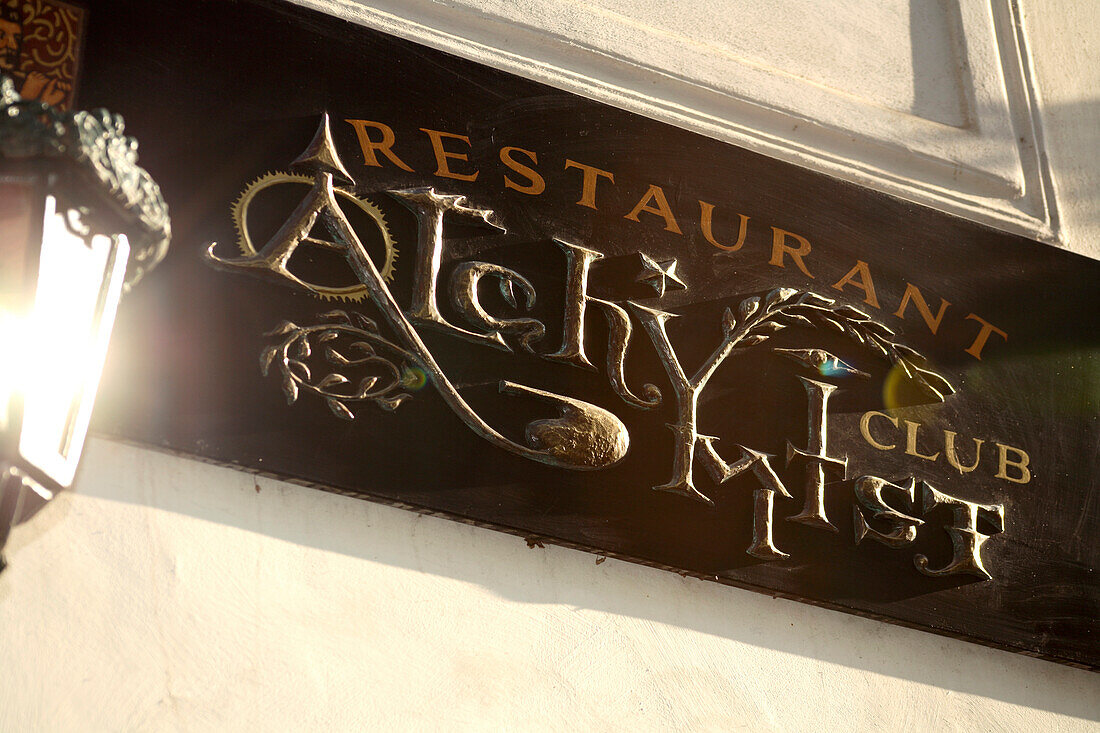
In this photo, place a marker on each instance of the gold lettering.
(864, 283)
(656, 195)
(383, 146)
(706, 219)
(914, 294)
(865, 429)
(779, 249)
(588, 182)
(441, 156)
(538, 183)
(911, 442)
(1021, 462)
(975, 349)
(952, 456)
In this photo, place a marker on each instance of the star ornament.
(661, 276)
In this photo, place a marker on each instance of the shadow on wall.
(502, 564)
(936, 31)
(1068, 128)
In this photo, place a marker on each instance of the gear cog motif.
(352, 293)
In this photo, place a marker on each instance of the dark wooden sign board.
(919, 392)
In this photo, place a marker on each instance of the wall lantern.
(80, 223)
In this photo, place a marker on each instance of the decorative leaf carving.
(847, 311)
(777, 296)
(363, 348)
(356, 335)
(331, 380)
(908, 353)
(290, 389)
(793, 319)
(365, 386)
(878, 329)
(392, 403)
(767, 327)
(365, 323)
(339, 409)
(299, 369)
(266, 357)
(283, 328)
(729, 322)
(939, 386)
(815, 299)
(783, 307)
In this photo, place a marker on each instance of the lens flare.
(63, 341)
(835, 368)
(414, 378)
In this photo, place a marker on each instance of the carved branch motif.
(346, 343)
(783, 307)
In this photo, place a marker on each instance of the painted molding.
(964, 138)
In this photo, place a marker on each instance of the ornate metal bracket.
(92, 150)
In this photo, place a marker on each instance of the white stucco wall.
(164, 594)
(1064, 36)
(170, 595)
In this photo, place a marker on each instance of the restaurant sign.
(473, 295)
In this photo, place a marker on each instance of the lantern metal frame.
(85, 162)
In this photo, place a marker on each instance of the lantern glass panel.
(17, 228)
(64, 339)
(20, 221)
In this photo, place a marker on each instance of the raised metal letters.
(903, 528)
(464, 285)
(353, 362)
(582, 194)
(816, 456)
(248, 248)
(583, 437)
(579, 263)
(966, 540)
(429, 208)
(348, 342)
(756, 320)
